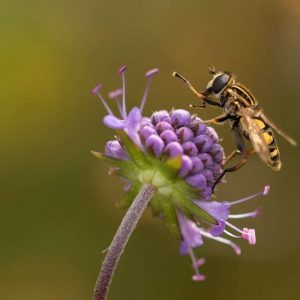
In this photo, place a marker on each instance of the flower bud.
(173, 149)
(184, 134)
(197, 181)
(190, 149)
(155, 144)
(162, 126)
(180, 117)
(113, 149)
(160, 116)
(203, 143)
(169, 136)
(186, 166)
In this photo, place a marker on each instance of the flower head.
(166, 135)
(181, 157)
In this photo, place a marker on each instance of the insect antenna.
(212, 70)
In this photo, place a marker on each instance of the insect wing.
(280, 131)
(255, 135)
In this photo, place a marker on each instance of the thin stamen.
(116, 96)
(122, 73)
(194, 260)
(233, 227)
(232, 235)
(251, 214)
(235, 247)
(196, 263)
(118, 100)
(95, 92)
(105, 104)
(149, 75)
(264, 193)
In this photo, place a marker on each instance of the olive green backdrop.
(57, 202)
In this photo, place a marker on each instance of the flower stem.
(120, 240)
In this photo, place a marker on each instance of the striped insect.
(246, 117)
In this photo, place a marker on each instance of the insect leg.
(234, 153)
(217, 120)
(231, 156)
(199, 95)
(203, 105)
(241, 148)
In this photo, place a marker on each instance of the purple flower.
(169, 134)
(192, 235)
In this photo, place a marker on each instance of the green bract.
(172, 192)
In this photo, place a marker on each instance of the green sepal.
(155, 205)
(129, 196)
(189, 208)
(125, 168)
(170, 215)
(135, 154)
(172, 166)
(168, 167)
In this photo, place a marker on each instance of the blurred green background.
(57, 203)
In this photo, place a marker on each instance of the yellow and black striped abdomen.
(274, 154)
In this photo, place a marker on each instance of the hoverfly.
(246, 117)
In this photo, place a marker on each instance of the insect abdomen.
(274, 154)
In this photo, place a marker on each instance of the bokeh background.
(57, 202)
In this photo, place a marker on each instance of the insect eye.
(220, 82)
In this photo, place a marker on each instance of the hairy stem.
(120, 240)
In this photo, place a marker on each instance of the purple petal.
(169, 136)
(155, 144)
(219, 210)
(162, 126)
(113, 149)
(113, 122)
(180, 117)
(190, 149)
(152, 72)
(174, 149)
(190, 234)
(198, 181)
(186, 166)
(184, 134)
(217, 230)
(133, 119)
(184, 248)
